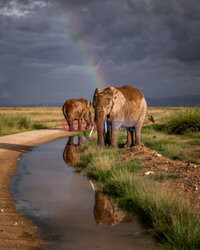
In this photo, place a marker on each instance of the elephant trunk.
(90, 117)
(99, 120)
(100, 132)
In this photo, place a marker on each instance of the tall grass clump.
(165, 145)
(169, 216)
(184, 121)
(10, 123)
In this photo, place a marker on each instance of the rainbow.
(94, 70)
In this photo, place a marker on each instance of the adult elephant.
(77, 109)
(116, 107)
(107, 212)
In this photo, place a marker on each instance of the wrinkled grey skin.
(123, 106)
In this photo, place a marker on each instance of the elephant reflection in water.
(105, 211)
(72, 151)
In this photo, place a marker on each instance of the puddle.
(63, 205)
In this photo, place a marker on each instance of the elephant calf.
(117, 107)
(77, 109)
(72, 151)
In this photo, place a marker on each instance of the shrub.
(184, 121)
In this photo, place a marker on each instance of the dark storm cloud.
(150, 43)
(138, 29)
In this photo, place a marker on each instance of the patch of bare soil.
(187, 183)
(16, 232)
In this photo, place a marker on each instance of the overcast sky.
(50, 50)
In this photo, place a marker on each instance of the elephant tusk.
(91, 131)
(106, 127)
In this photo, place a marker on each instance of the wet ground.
(63, 205)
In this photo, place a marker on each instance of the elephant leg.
(108, 133)
(137, 137)
(87, 124)
(107, 138)
(115, 130)
(129, 139)
(79, 140)
(79, 124)
(114, 140)
(70, 124)
(134, 138)
(71, 140)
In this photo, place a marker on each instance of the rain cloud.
(46, 48)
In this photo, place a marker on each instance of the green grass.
(172, 221)
(165, 145)
(184, 121)
(84, 133)
(163, 177)
(167, 214)
(10, 123)
(193, 143)
(37, 117)
(190, 135)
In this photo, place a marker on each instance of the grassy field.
(175, 134)
(184, 146)
(15, 120)
(172, 221)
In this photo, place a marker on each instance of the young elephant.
(117, 107)
(77, 109)
(72, 151)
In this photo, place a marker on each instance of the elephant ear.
(96, 93)
(118, 102)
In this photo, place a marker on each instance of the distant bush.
(184, 121)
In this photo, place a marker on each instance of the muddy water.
(64, 206)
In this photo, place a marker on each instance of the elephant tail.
(150, 117)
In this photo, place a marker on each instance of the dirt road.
(16, 232)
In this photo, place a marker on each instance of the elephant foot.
(140, 145)
(99, 147)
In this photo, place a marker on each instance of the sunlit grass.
(184, 121)
(10, 123)
(170, 147)
(34, 118)
(172, 221)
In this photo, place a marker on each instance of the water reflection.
(64, 206)
(107, 212)
(72, 151)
